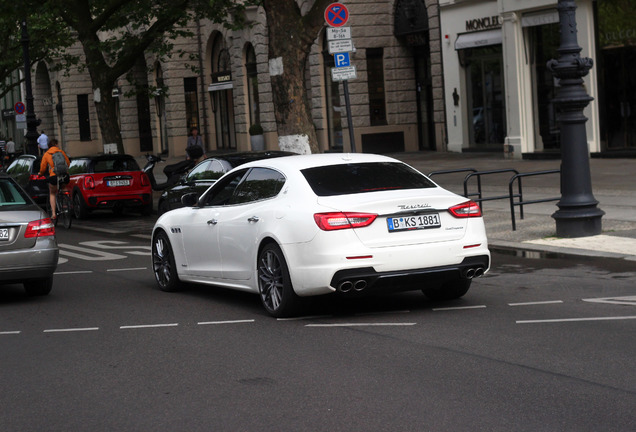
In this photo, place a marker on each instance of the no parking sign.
(336, 14)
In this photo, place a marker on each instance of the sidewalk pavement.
(613, 186)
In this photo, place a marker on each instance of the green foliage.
(48, 37)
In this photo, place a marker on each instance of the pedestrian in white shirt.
(43, 143)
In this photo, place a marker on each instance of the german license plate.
(430, 220)
(4, 234)
(118, 182)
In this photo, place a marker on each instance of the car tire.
(38, 287)
(451, 290)
(80, 210)
(163, 263)
(274, 283)
(162, 207)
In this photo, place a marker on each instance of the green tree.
(291, 35)
(114, 34)
(48, 37)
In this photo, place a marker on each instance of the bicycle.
(63, 206)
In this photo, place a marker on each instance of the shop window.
(84, 117)
(252, 85)
(191, 103)
(375, 82)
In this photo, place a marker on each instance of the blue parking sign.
(341, 59)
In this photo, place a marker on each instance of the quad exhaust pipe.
(348, 285)
(474, 272)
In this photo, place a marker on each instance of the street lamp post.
(31, 120)
(578, 215)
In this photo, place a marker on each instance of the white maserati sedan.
(308, 225)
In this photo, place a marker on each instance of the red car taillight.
(40, 228)
(145, 181)
(466, 210)
(33, 177)
(343, 220)
(89, 183)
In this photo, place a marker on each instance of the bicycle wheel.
(64, 209)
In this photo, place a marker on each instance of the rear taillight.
(343, 220)
(40, 228)
(33, 177)
(466, 210)
(145, 181)
(89, 183)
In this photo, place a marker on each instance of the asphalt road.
(537, 344)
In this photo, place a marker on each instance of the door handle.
(212, 222)
(253, 219)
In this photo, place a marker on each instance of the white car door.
(241, 224)
(200, 238)
(200, 229)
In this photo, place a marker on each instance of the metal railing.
(510, 196)
(521, 202)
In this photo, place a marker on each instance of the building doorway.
(486, 105)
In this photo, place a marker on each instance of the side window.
(221, 192)
(260, 183)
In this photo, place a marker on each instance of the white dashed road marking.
(576, 320)
(148, 326)
(536, 303)
(225, 322)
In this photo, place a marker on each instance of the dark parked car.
(110, 181)
(28, 250)
(24, 170)
(206, 173)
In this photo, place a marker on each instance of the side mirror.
(190, 199)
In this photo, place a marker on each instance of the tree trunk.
(290, 38)
(106, 109)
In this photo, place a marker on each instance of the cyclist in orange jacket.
(47, 167)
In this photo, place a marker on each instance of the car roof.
(236, 159)
(301, 162)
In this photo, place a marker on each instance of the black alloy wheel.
(163, 263)
(274, 284)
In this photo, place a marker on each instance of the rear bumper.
(127, 200)
(34, 263)
(366, 280)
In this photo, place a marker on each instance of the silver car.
(28, 249)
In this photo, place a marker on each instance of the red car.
(110, 181)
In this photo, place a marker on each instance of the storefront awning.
(478, 39)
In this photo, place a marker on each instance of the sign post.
(340, 45)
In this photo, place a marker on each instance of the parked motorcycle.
(173, 172)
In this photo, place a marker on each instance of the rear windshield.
(364, 177)
(115, 165)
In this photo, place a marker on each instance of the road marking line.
(575, 320)
(71, 330)
(127, 269)
(148, 326)
(73, 272)
(536, 303)
(360, 325)
(459, 308)
(225, 322)
(10, 332)
(627, 300)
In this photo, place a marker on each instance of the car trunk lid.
(406, 217)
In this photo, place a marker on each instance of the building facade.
(500, 91)
(397, 102)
